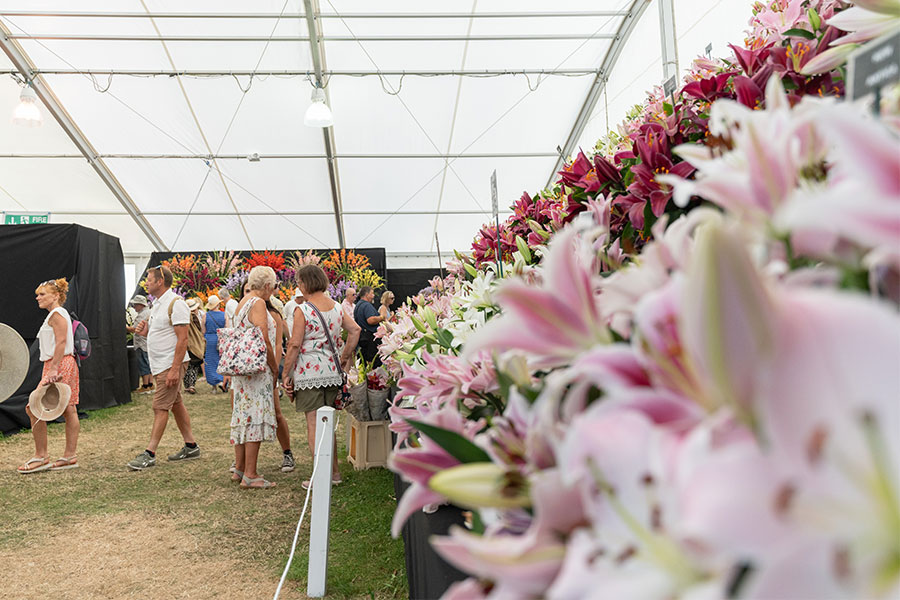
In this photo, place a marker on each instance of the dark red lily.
(709, 89)
(751, 60)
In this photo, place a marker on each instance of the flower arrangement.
(266, 259)
(688, 422)
(205, 274)
(300, 259)
(377, 379)
(220, 265)
(341, 264)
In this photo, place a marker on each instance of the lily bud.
(482, 485)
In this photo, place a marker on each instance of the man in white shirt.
(289, 308)
(230, 306)
(349, 302)
(167, 349)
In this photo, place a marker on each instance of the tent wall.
(92, 262)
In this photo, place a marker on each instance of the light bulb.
(318, 114)
(27, 112)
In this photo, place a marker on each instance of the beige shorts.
(315, 398)
(164, 398)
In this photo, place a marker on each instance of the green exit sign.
(25, 218)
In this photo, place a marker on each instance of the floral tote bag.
(242, 349)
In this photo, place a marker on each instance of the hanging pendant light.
(318, 114)
(27, 112)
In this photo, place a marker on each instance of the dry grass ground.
(182, 530)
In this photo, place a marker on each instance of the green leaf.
(523, 248)
(456, 445)
(477, 523)
(797, 32)
(789, 84)
(668, 108)
(418, 324)
(814, 19)
(430, 318)
(470, 270)
(444, 338)
(649, 219)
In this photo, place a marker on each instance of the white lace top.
(316, 366)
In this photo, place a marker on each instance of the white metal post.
(668, 42)
(321, 504)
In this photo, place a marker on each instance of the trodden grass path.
(183, 530)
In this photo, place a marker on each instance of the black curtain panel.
(92, 263)
(408, 282)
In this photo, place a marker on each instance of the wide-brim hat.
(212, 302)
(193, 304)
(49, 401)
(138, 299)
(14, 360)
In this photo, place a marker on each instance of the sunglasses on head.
(49, 282)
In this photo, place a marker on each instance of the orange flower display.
(266, 259)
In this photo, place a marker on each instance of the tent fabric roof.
(414, 153)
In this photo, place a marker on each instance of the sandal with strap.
(43, 465)
(265, 484)
(237, 475)
(63, 463)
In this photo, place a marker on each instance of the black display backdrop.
(408, 282)
(92, 263)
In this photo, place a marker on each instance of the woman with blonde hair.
(57, 352)
(384, 311)
(253, 412)
(312, 373)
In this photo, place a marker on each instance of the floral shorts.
(68, 373)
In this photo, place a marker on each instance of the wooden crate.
(368, 444)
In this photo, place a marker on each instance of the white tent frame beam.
(626, 27)
(530, 37)
(446, 15)
(668, 40)
(317, 51)
(300, 213)
(290, 156)
(332, 73)
(26, 68)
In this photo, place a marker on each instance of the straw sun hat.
(14, 359)
(193, 304)
(49, 401)
(212, 302)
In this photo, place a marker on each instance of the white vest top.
(47, 338)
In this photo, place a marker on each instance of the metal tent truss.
(454, 153)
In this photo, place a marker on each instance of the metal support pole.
(317, 51)
(321, 504)
(668, 42)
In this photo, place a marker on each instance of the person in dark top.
(366, 316)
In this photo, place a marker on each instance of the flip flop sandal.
(43, 465)
(67, 463)
(265, 484)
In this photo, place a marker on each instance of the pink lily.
(553, 322)
(418, 464)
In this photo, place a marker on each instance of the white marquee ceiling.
(409, 163)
